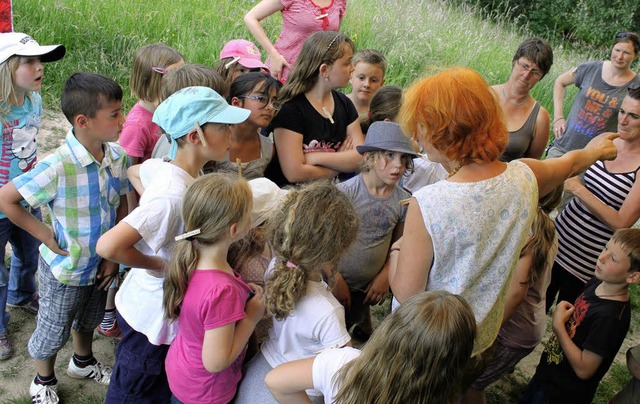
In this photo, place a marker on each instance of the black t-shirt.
(318, 133)
(600, 326)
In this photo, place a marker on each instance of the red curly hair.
(460, 113)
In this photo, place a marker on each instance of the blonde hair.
(189, 75)
(543, 234)
(460, 113)
(7, 89)
(322, 47)
(146, 73)
(417, 355)
(313, 227)
(372, 57)
(370, 158)
(212, 204)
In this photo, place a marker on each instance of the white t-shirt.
(316, 323)
(158, 220)
(425, 172)
(325, 367)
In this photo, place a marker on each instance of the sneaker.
(6, 349)
(31, 305)
(112, 332)
(99, 372)
(41, 394)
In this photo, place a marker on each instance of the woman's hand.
(559, 127)
(571, 185)
(603, 145)
(277, 63)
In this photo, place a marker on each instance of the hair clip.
(188, 235)
(290, 264)
(331, 43)
(200, 134)
(231, 62)
(161, 70)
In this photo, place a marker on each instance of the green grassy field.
(417, 37)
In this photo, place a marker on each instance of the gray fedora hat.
(384, 135)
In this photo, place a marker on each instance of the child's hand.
(255, 305)
(347, 144)
(107, 271)
(378, 289)
(53, 245)
(341, 291)
(561, 315)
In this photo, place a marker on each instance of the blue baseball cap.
(178, 114)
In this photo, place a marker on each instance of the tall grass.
(417, 37)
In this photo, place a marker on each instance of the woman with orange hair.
(464, 234)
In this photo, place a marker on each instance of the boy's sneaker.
(112, 332)
(31, 305)
(98, 372)
(41, 394)
(6, 349)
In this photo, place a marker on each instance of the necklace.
(517, 104)
(455, 170)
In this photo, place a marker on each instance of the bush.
(585, 23)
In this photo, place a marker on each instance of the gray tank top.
(519, 140)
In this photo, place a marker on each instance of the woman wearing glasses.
(603, 85)
(250, 152)
(527, 121)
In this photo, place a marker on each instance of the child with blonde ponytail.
(313, 228)
(217, 310)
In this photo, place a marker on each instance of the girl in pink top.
(217, 310)
(300, 19)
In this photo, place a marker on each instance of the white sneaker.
(43, 394)
(98, 372)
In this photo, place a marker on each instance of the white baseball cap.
(19, 44)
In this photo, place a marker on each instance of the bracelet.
(554, 122)
(394, 249)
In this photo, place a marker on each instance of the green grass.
(417, 37)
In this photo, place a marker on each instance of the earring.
(326, 78)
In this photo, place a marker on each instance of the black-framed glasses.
(264, 101)
(632, 36)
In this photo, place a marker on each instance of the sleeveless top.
(581, 235)
(477, 230)
(520, 140)
(250, 169)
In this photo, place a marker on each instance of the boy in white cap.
(21, 72)
(362, 278)
(197, 119)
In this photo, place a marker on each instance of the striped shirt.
(581, 235)
(83, 196)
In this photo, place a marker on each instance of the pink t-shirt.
(213, 299)
(300, 19)
(139, 133)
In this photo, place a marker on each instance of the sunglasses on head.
(629, 35)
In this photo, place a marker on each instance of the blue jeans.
(18, 284)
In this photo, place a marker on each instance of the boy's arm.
(378, 289)
(108, 270)
(583, 362)
(10, 205)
